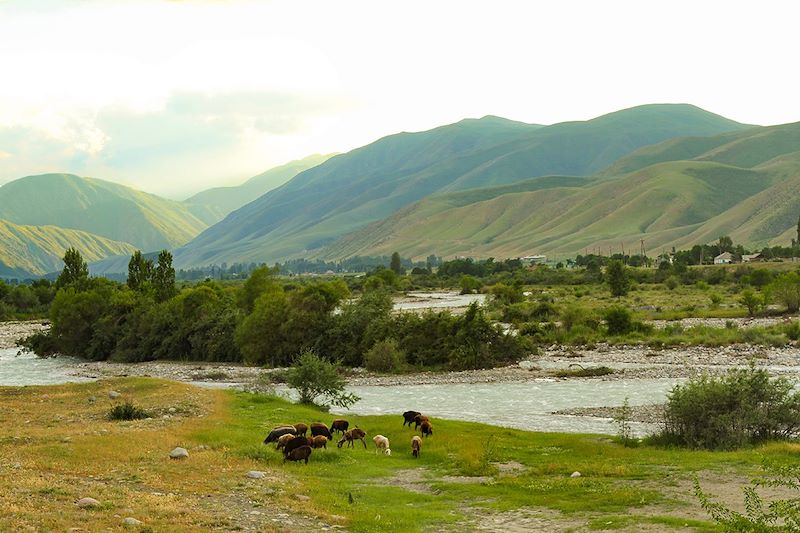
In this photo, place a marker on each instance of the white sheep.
(381, 443)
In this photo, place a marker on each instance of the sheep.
(419, 419)
(416, 445)
(297, 442)
(279, 431)
(320, 429)
(298, 454)
(283, 439)
(353, 435)
(301, 429)
(339, 426)
(426, 428)
(409, 416)
(320, 441)
(381, 443)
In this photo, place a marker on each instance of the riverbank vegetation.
(468, 475)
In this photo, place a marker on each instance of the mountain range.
(666, 174)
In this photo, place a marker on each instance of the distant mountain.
(223, 200)
(103, 208)
(351, 190)
(37, 250)
(678, 193)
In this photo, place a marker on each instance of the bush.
(127, 411)
(318, 382)
(742, 408)
(671, 283)
(785, 289)
(385, 356)
(619, 320)
(752, 301)
(592, 371)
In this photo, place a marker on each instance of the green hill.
(37, 250)
(103, 208)
(351, 190)
(746, 185)
(223, 200)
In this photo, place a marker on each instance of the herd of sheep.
(297, 446)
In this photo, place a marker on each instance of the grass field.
(56, 446)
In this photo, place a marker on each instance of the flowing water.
(24, 368)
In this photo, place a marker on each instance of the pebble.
(114, 394)
(83, 503)
(179, 453)
(256, 474)
(130, 521)
(92, 399)
(172, 410)
(301, 497)
(575, 474)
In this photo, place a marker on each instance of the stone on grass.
(84, 503)
(575, 474)
(130, 521)
(256, 474)
(301, 497)
(179, 453)
(114, 394)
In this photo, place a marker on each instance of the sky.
(172, 97)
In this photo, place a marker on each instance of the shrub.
(792, 330)
(618, 281)
(127, 411)
(574, 316)
(752, 301)
(716, 299)
(318, 381)
(785, 289)
(591, 371)
(742, 408)
(619, 320)
(671, 283)
(385, 356)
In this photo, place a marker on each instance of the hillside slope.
(37, 250)
(746, 185)
(351, 190)
(107, 209)
(223, 200)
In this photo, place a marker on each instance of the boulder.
(256, 474)
(85, 503)
(130, 521)
(179, 453)
(575, 474)
(114, 394)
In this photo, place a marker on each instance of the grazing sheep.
(426, 428)
(283, 439)
(353, 435)
(298, 454)
(409, 416)
(278, 432)
(297, 442)
(416, 445)
(381, 443)
(320, 441)
(320, 429)
(419, 419)
(339, 426)
(301, 429)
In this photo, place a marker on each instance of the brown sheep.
(416, 445)
(298, 454)
(295, 443)
(426, 428)
(320, 429)
(409, 417)
(320, 441)
(339, 426)
(283, 439)
(351, 436)
(277, 432)
(419, 419)
(301, 429)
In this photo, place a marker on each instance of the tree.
(318, 381)
(395, 265)
(140, 272)
(785, 289)
(261, 280)
(725, 244)
(618, 281)
(164, 277)
(798, 232)
(75, 272)
(752, 301)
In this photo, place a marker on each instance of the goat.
(419, 419)
(298, 454)
(320, 441)
(339, 426)
(381, 443)
(409, 416)
(353, 435)
(320, 429)
(416, 445)
(301, 429)
(279, 431)
(283, 439)
(426, 429)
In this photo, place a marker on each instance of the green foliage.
(785, 290)
(506, 294)
(742, 408)
(592, 371)
(778, 516)
(623, 421)
(395, 264)
(753, 301)
(318, 382)
(164, 277)
(127, 411)
(75, 272)
(260, 281)
(672, 282)
(140, 272)
(469, 284)
(619, 320)
(617, 278)
(385, 356)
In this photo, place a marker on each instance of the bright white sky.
(173, 97)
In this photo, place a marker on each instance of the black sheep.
(320, 429)
(279, 432)
(297, 442)
(339, 426)
(409, 417)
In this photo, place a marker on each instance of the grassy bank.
(56, 446)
